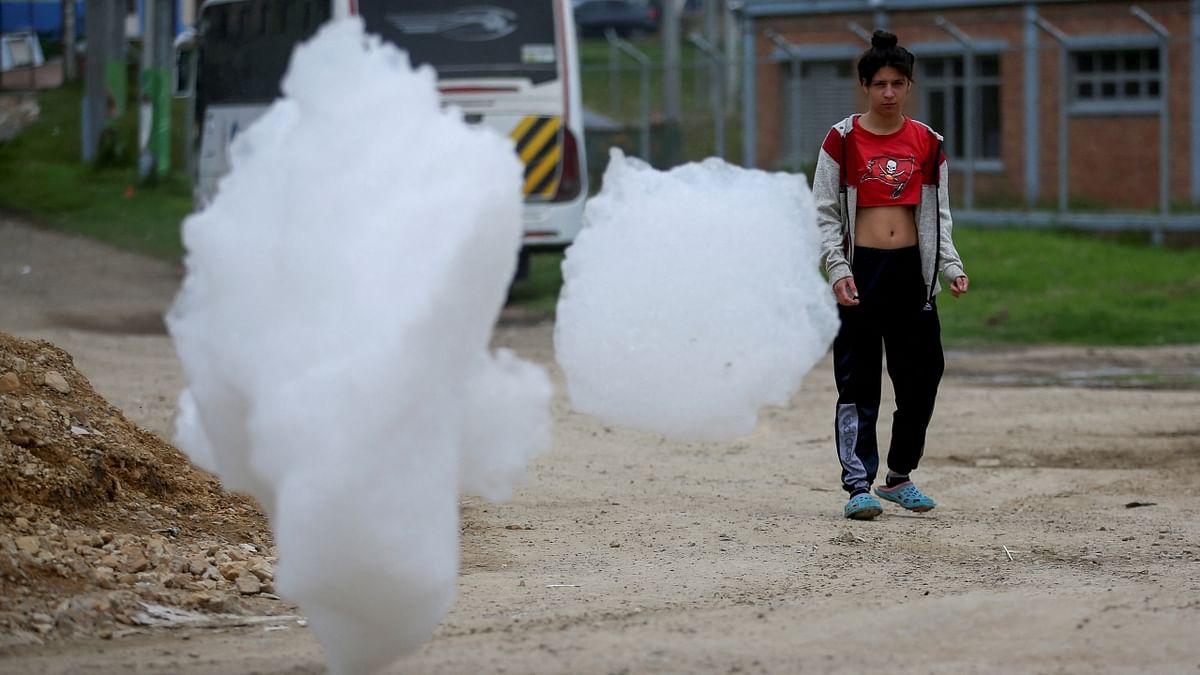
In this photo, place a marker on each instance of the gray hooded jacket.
(836, 207)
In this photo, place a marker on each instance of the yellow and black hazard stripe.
(539, 144)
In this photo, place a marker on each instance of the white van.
(511, 65)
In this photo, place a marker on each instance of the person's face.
(887, 91)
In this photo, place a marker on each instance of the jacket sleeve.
(949, 262)
(830, 221)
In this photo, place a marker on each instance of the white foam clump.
(333, 326)
(692, 298)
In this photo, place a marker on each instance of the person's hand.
(959, 285)
(846, 293)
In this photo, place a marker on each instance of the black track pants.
(891, 314)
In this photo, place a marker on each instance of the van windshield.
(245, 46)
(471, 38)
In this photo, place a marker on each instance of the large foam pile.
(692, 298)
(340, 294)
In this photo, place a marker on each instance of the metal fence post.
(970, 124)
(614, 72)
(1195, 99)
(795, 97)
(856, 28)
(1164, 119)
(644, 67)
(1032, 166)
(717, 102)
(1064, 146)
(670, 27)
(749, 91)
(730, 42)
(711, 34)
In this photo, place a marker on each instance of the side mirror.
(185, 65)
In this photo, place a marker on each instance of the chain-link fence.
(1080, 114)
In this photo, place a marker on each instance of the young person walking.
(884, 215)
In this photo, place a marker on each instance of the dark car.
(594, 17)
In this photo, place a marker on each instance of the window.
(943, 85)
(816, 95)
(465, 39)
(246, 46)
(1107, 76)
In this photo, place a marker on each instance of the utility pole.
(104, 80)
(68, 12)
(671, 40)
(154, 111)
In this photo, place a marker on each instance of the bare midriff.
(885, 227)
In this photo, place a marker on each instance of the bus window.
(462, 39)
(230, 33)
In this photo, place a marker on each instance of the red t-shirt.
(887, 169)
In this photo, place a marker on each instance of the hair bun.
(883, 40)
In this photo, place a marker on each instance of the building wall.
(1113, 159)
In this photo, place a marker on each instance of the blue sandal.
(907, 495)
(862, 507)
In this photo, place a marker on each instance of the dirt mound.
(102, 524)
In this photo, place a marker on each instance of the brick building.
(1122, 61)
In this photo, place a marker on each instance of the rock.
(28, 545)
(156, 547)
(21, 523)
(56, 382)
(9, 383)
(136, 563)
(18, 364)
(248, 584)
(103, 575)
(10, 568)
(232, 570)
(21, 436)
(197, 566)
(210, 601)
(179, 581)
(263, 570)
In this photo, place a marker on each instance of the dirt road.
(1066, 540)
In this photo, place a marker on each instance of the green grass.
(697, 123)
(538, 293)
(1034, 287)
(1028, 287)
(45, 180)
(1055, 287)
